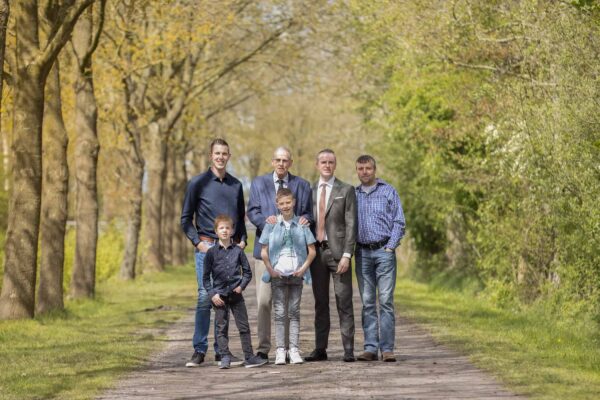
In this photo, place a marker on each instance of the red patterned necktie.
(321, 222)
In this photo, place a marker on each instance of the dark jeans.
(323, 270)
(234, 303)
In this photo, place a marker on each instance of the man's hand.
(242, 245)
(271, 219)
(203, 247)
(216, 299)
(303, 221)
(343, 265)
(238, 290)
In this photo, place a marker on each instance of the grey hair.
(283, 148)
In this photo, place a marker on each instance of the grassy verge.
(532, 353)
(76, 353)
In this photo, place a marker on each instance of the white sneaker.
(295, 357)
(280, 356)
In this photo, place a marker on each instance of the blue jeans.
(202, 323)
(376, 272)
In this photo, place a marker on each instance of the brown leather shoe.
(388, 356)
(367, 356)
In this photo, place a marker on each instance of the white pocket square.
(339, 197)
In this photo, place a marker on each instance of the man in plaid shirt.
(380, 229)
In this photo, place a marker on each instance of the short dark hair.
(365, 158)
(283, 192)
(223, 218)
(325, 151)
(218, 141)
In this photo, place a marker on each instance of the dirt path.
(425, 370)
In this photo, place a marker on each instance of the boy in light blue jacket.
(287, 251)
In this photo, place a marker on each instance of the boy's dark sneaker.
(225, 362)
(196, 360)
(233, 360)
(255, 361)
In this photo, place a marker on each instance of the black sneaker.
(196, 360)
(255, 361)
(217, 357)
(262, 355)
(349, 356)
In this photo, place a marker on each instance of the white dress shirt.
(328, 189)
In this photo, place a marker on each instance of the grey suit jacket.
(341, 220)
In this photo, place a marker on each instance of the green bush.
(488, 119)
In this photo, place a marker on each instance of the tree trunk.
(179, 240)
(20, 250)
(86, 159)
(155, 163)
(4, 13)
(134, 222)
(55, 188)
(168, 208)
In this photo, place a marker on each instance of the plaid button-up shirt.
(380, 215)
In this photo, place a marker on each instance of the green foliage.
(489, 118)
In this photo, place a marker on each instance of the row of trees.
(489, 113)
(128, 93)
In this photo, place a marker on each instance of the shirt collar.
(377, 183)
(228, 247)
(285, 179)
(215, 177)
(329, 182)
(294, 221)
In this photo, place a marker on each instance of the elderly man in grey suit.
(334, 208)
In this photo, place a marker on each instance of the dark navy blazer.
(262, 202)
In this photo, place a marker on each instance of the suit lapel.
(314, 199)
(335, 190)
(270, 186)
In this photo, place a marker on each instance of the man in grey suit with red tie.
(334, 208)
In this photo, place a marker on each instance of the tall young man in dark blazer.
(334, 208)
(262, 210)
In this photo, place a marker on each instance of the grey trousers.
(323, 270)
(287, 290)
(235, 303)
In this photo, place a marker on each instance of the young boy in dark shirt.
(226, 274)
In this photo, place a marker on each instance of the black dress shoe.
(349, 356)
(262, 355)
(316, 355)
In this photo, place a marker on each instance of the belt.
(208, 239)
(323, 245)
(373, 246)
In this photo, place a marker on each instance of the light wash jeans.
(376, 272)
(287, 290)
(202, 322)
